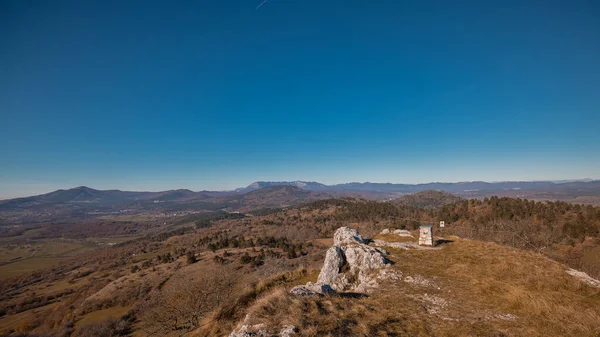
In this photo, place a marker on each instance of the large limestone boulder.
(364, 260)
(345, 235)
(334, 260)
(350, 265)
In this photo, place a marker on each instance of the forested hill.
(569, 233)
(427, 199)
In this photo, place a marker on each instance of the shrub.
(246, 258)
(191, 258)
(219, 260)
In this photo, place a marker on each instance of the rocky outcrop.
(259, 330)
(399, 232)
(250, 331)
(350, 265)
(585, 278)
(403, 232)
(346, 235)
(402, 245)
(419, 280)
(311, 289)
(334, 261)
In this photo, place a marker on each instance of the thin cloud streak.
(262, 3)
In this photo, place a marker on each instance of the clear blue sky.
(154, 95)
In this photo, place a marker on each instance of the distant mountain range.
(305, 185)
(87, 194)
(460, 187)
(83, 201)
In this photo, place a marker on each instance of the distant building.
(426, 236)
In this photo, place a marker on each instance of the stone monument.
(426, 236)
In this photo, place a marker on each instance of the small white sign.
(442, 224)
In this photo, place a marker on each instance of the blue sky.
(154, 95)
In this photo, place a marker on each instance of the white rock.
(360, 258)
(345, 235)
(420, 281)
(385, 231)
(402, 245)
(388, 273)
(301, 290)
(250, 331)
(311, 289)
(259, 330)
(334, 260)
(363, 263)
(506, 317)
(402, 232)
(585, 278)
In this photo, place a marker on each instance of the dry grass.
(337, 315)
(101, 315)
(396, 238)
(22, 319)
(483, 277)
(323, 242)
(38, 256)
(225, 319)
(471, 288)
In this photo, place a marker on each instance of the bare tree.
(184, 301)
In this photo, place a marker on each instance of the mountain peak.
(83, 188)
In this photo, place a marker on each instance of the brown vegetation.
(184, 301)
(191, 263)
(468, 288)
(427, 199)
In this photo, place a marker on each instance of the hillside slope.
(427, 199)
(277, 196)
(211, 277)
(466, 288)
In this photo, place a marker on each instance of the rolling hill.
(268, 194)
(427, 199)
(278, 196)
(579, 191)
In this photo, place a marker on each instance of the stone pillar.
(426, 236)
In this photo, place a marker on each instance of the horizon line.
(554, 181)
